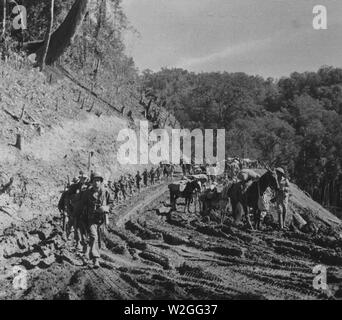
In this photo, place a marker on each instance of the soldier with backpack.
(282, 197)
(116, 189)
(152, 176)
(96, 202)
(69, 206)
(145, 177)
(130, 184)
(138, 180)
(123, 186)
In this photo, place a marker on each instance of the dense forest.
(294, 122)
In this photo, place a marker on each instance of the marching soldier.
(123, 186)
(132, 183)
(145, 177)
(234, 169)
(129, 184)
(96, 202)
(166, 171)
(184, 169)
(282, 196)
(110, 186)
(138, 180)
(172, 169)
(69, 205)
(158, 173)
(152, 175)
(116, 189)
(83, 177)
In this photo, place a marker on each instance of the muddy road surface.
(153, 253)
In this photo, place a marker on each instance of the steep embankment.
(58, 133)
(301, 203)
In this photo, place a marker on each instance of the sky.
(271, 38)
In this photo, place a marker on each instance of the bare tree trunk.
(64, 36)
(101, 16)
(47, 37)
(18, 142)
(4, 19)
(84, 47)
(22, 112)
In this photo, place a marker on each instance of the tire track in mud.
(283, 263)
(140, 206)
(296, 286)
(209, 283)
(153, 254)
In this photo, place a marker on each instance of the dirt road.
(152, 253)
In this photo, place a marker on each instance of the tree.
(47, 37)
(64, 36)
(3, 34)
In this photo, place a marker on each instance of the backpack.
(93, 214)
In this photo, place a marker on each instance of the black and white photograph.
(186, 152)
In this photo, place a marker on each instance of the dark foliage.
(294, 122)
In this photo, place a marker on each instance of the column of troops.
(129, 184)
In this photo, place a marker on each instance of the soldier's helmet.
(74, 180)
(97, 175)
(280, 170)
(83, 178)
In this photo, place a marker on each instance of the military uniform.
(234, 169)
(282, 197)
(172, 169)
(133, 184)
(138, 180)
(71, 201)
(152, 175)
(130, 184)
(123, 186)
(96, 202)
(116, 189)
(166, 171)
(145, 177)
(111, 188)
(161, 173)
